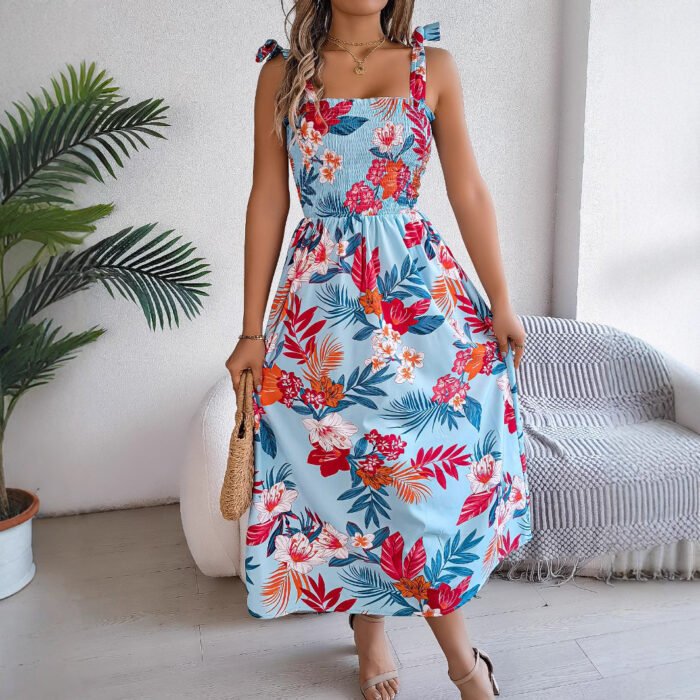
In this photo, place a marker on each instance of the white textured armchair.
(217, 545)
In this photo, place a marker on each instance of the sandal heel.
(492, 678)
(478, 654)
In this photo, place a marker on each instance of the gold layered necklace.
(359, 62)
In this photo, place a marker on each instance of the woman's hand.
(249, 352)
(509, 331)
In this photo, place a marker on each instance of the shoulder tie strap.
(421, 33)
(269, 49)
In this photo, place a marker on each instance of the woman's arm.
(266, 215)
(468, 194)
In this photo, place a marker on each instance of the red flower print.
(489, 358)
(371, 463)
(290, 385)
(403, 317)
(377, 171)
(391, 446)
(331, 461)
(446, 599)
(461, 359)
(446, 387)
(316, 399)
(475, 360)
(331, 114)
(418, 87)
(258, 410)
(360, 199)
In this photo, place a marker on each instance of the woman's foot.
(374, 655)
(471, 676)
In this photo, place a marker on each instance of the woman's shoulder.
(436, 54)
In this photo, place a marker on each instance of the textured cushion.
(608, 467)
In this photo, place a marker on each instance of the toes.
(393, 687)
(390, 689)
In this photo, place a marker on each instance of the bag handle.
(244, 399)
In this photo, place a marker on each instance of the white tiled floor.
(117, 610)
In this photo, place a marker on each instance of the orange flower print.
(332, 393)
(371, 302)
(270, 391)
(413, 588)
(332, 159)
(331, 163)
(326, 174)
(373, 472)
(362, 540)
(412, 357)
(395, 180)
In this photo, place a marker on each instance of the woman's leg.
(374, 655)
(452, 636)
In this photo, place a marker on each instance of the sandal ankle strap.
(470, 675)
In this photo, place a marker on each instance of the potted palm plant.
(79, 129)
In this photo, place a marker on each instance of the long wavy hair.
(308, 22)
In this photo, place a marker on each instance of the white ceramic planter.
(17, 566)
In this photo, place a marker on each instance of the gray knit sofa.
(612, 440)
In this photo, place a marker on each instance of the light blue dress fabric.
(390, 466)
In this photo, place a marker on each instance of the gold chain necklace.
(359, 62)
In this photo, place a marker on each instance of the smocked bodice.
(361, 157)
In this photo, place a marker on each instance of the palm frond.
(324, 358)
(35, 352)
(79, 86)
(158, 275)
(84, 129)
(413, 411)
(409, 483)
(49, 225)
(338, 304)
(368, 584)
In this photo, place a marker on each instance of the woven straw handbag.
(237, 488)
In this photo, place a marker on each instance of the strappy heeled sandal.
(375, 680)
(479, 654)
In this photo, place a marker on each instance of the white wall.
(639, 260)
(108, 432)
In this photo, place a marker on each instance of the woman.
(390, 464)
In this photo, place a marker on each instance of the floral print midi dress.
(390, 472)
